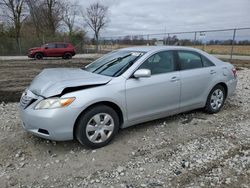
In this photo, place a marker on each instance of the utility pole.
(232, 47)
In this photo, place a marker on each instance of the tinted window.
(51, 45)
(189, 60)
(206, 62)
(161, 62)
(61, 45)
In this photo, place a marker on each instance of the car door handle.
(212, 71)
(174, 79)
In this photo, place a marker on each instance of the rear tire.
(67, 56)
(97, 126)
(215, 100)
(38, 56)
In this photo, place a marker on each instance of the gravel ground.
(187, 150)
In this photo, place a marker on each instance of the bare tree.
(46, 15)
(35, 16)
(14, 12)
(97, 19)
(52, 13)
(70, 12)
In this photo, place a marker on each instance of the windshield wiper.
(111, 63)
(129, 64)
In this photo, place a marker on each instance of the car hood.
(51, 82)
(35, 48)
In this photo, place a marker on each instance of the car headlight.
(54, 103)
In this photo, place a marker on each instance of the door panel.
(194, 86)
(50, 50)
(60, 49)
(157, 95)
(195, 79)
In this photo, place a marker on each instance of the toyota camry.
(121, 89)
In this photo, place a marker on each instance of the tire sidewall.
(84, 118)
(208, 107)
(38, 55)
(67, 56)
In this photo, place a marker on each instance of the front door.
(50, 50)
(155, 96)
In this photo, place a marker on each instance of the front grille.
(26, 101)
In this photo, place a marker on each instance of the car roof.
(156, 48)
(58, 43)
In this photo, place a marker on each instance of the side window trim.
(176, 59)
(201, 60)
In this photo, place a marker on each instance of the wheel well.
(39, 53)
(67, 53)
(106, 103)
(224, 86)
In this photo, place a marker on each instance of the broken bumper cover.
(54, 124)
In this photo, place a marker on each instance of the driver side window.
(51, 45)
(159, 63)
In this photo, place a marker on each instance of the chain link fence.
(225, 42)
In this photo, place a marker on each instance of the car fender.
(88, 97)
(212, 85)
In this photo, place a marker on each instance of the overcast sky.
(128, 17)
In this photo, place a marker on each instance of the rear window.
(206, 62)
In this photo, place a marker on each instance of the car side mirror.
(142, 73)
(46, 47)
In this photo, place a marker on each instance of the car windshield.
(114, 63)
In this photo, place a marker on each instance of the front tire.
(97, 126)
(38, 56)
(215, 100)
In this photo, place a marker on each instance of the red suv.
(64, 50)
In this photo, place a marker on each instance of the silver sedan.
(121, 89)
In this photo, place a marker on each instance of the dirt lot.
(15, 76)
(187, 150)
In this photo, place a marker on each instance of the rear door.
(60, 49)
(155, 96)
(197, 74)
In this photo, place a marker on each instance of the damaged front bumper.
(54, 124)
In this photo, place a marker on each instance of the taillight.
(234, 72)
